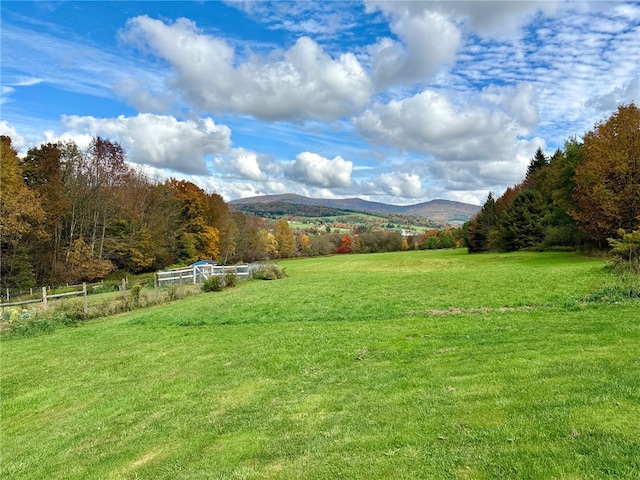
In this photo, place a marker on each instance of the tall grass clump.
(268, 271)
(620, 287)
(625, 252)
(214, 283)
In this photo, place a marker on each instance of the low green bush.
(30, 323)
(136, 289)
(213, 284)
(269, 271)
(230, 279)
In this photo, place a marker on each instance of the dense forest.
(585, 195)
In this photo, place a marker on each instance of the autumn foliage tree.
(285, 238)
(21, 221)
(194, 238)
(607, 181)
(71, 215)
(346, 245)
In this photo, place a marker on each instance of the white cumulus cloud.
(244, 164)
(159, 140)
(488, 18)
(430, 123)
(17, 140)
(429, 41)
(399, 184)
(301, 82)
(311, 168)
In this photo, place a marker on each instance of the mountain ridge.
(437, 209)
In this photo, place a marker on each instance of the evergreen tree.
(522, 224)
(480, 226)
(538, 161)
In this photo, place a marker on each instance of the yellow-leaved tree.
(21, 218)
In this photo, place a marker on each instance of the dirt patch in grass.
(466, 311)
(126, 470)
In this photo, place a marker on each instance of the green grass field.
(425, 364)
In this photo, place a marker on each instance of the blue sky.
(399, 102)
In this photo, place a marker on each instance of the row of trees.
(584, 194)
(68, 216)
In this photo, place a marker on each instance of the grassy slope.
(405, 365)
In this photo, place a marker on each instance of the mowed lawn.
(426, 364)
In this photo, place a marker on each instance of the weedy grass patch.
(430, 364)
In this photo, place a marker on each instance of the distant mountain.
(442, 210)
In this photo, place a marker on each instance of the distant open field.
(419, 364)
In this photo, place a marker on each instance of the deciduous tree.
(21, 219)
(346, 245)
(607, 191)
(285, 238)
(43, 171)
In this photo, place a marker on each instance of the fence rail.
(23, 302)
(46, 297)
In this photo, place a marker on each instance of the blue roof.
(200, 263)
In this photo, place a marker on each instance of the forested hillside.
(585, 194)
(438, 211)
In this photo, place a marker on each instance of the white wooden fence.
(199, 273)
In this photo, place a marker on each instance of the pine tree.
(522, 224)
(481, 225)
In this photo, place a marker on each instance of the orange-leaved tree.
(347, 244)
(607, 181)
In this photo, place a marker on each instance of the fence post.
(195, 270)
(86, 304)
(124, 290)
(44, 297)
(155, 286)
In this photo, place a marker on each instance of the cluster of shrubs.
(268, 271)
(216, 283)
(27, 322)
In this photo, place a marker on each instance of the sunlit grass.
(413, 365)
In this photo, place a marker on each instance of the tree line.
(585, 195)
(69, 215)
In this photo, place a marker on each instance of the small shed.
(203, 263)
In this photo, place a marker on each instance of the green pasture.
(420, 364)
